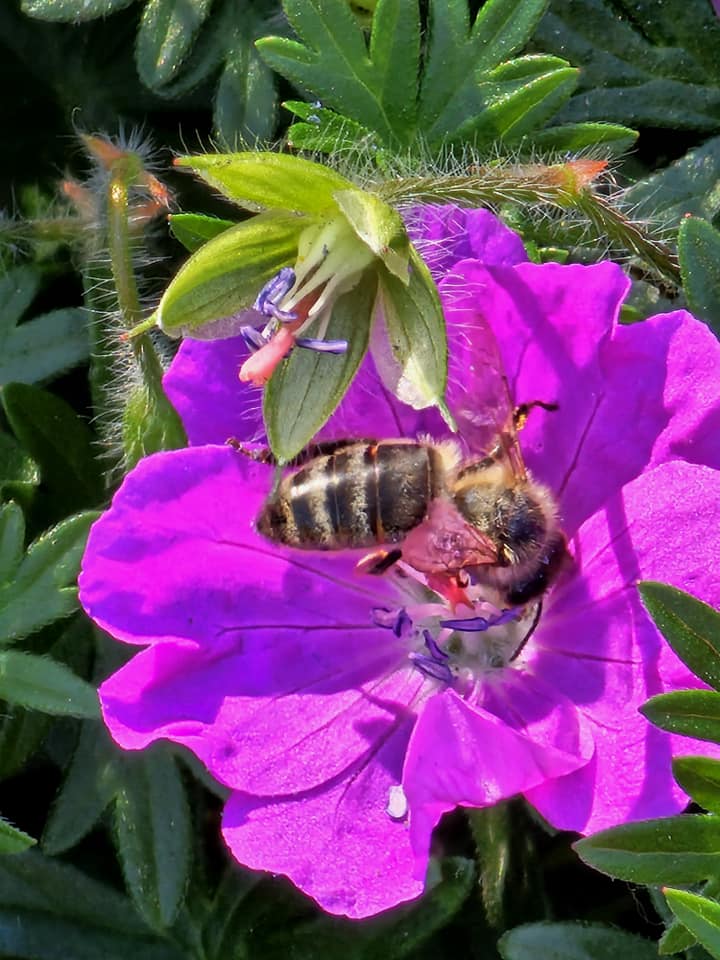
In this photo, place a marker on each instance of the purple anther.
(436, 652)
(253, 338)
(398, 621)
(273, 292)
(322, 346)
(479, 624)
(431, 668)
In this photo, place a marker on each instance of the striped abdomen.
(358, 495)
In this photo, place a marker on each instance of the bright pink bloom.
(271, 666)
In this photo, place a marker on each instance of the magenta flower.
(326, 700)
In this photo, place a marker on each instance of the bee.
(447, 515)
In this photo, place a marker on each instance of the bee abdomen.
(357, 496)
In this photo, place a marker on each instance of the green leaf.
(167, 31)
(246, 101)
(21, 734)
(691, 185)
(572, 137)
(227, 922)
(456, 55)
(700, 778)
(72, 10)
(410, 347)
(671, 850)
(13, 840)
(226, 274)
(42, 588)
(51, 911)
(195, 229)
(271, 181)
(18, 289)
(39, 683)
(152, 829)
(91, 782)
(507, 102)
(699, 249)
(307, 386)
(627, 78)
(59, 442)
(700, 915)
(328, 132)
(692, 713)
(12, 540)
(573, 941)
(19, 474)
(691, 627)
(44, 347)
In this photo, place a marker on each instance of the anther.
(480, 624)
(399, 621)
(322, 346)
(253, 338)
(273, 292)
(432, 668)
(436, 652)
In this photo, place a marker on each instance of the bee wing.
(485, 413)
(445, 541)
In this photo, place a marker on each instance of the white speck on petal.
(397, 807)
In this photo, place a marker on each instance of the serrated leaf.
(152, 829)
(166, 34)
(573, 941)
(625, 78)
(327, 132)
(18, 289)
(72, 10)
(691, 627)
(51, 911)
(700, 778)
(271, 181)
(691, 185)
(671, 850)
(39, 683)
(91, 781)
(306, 387)
(455, 53)
(506, 102)
(19, 474)
(700, 915)
(195, 229)
(59, 442)
(43, 586)
(410, 346)
(692, 713)
(245, 105)
(573, 137)
(45, 347)
(699, 249)
(13, 840)
(226, 274)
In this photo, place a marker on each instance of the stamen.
(273, 292)
(398, 621)
(431, 668)
(436, 652)
(322, 346)
(253, 338)
(480, 624)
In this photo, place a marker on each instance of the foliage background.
(106, 854)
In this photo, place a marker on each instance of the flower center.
(458, 648)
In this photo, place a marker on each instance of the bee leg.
(531, 631)
(522, 411)
(258, 454)
(378, 561)
(323, 448)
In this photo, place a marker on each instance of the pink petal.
(466, 755)
(598, 646)
(337, 844)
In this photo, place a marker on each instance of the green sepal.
(226, 274)
(699, 250)
(195, 229)
(699, 915)
(380, 227)
(683, 849)
(39, 683)
(307, 386)
(13, 840)
(409, 343)
(691, 713)
(700, 778)
(269, 181)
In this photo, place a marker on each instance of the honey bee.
(480, 517)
